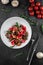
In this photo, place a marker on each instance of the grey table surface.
(7, 54)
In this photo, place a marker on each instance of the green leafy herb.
(17, 24)
(6, 10)
(18, 54)
(33, 23)
(9, 32)
(25, 17)
(12, 46)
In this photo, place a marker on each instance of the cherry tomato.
(41, 8)
(19, 36)
(30, 8)
(23, 41)
(38, 3)
(31, 13)
(11, 29)
(31, 1)
(32, 4)
(42, 12)
(21, 33)
(36, 8)
(42, 16)
(12, 42)
(14, 28)
(39, 16)
(37, 12)
(24, 28)
(10, 36)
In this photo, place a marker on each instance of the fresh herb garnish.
(17, 24)
(6, 10)
(12, 46)
(25, 17)
(33, 23)
(9, 32)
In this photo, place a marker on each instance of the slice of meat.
(18, 44)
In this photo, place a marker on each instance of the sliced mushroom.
(5, 1)
(15, 3)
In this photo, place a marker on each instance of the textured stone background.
(7, 55)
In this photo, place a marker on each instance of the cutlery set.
(32, 51)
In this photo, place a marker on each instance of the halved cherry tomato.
(32, 4)
(31, 1)
(36, 8)
(41, 8)
(19, 36)
(12, 42)
(38, 3)
(37, 12)
(24, 28)
(11, 29)
(14, 28)
(10, 36)
(23, 41)
(42, 16)
(31, 13)
(39, 16)
(42, 12)
(21, 33)
(30, 8)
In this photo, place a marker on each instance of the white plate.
(8, 23)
